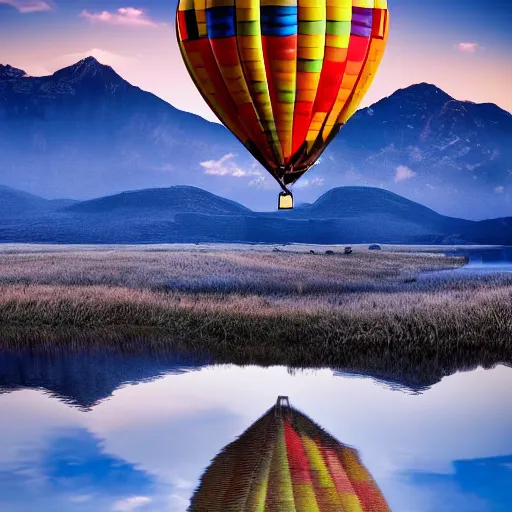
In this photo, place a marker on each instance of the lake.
(111, 432)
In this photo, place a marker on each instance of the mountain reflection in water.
(113, 432)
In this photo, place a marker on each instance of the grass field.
(252, 304)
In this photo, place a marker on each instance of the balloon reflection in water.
(286, 462)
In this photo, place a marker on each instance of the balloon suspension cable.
(283, 408)
(285, 200)
(286, 190)
(280, 179)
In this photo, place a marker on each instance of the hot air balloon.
(286, 463)
(283, 75)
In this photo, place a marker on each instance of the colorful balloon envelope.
(286, 463)
(283, 75)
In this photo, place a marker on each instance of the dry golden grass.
(298, 308)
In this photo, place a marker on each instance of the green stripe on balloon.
(312, 27)
(310, 66)
(338, 28)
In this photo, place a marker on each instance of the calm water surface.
(98, 434)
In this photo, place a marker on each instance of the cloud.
(315, 182)
(500, 189)
(225, 166)
(182, 483)
(28, 6)
(258, 182)
(403, 173)
(127, 16)
(468, 47)
(132, 503)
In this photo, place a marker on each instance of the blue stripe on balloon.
(220, 22)
(362, 20)
(362, 16)
(361, 31)
(278, 10)
(278, 20)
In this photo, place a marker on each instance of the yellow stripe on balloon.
(280, 489)
(340, 11)
(250, 51)
(325, 490)
(366, 4)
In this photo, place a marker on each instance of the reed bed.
(252, 306)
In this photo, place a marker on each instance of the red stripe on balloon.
(297, 460)
(301, 122)
(337, 471)
(225, 51)
(182, 24)
(329, 85)
(370, 497)
(357, 49)
(276, 48)
(221, 94)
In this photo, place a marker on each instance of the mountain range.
(182, 214)
(85, 132)
(84, 378)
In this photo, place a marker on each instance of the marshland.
(296, 305)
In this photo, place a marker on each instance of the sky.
(462, 46)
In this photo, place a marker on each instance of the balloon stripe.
(225, 51)
(369, 494)
(250, 52)
(356, 57)
(311, 35)
(303, 492)
(221, 93)
(325, 491)
(375, 54)
(339, 16)
(280, 64)
(280, 489)
(221, 23)
(346, 492)
(194, 62)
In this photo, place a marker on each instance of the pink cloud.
(403, 173)
(128, 16)
(468, 47)
(28, 6)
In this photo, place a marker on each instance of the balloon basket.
(285, 201)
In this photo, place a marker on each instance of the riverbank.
(252, 304)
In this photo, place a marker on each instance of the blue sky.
(462, 46)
